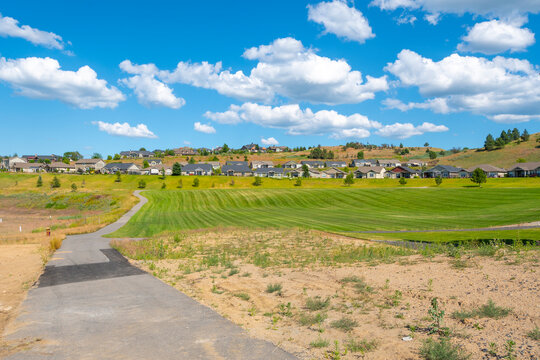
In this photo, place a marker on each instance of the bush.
(118, 177)
(196, 182)
(438, 180)
(346, 324)
(272, 288)
(442, 350)
(298, 182)
(73, 187)
(317, 303)
(258, 181)
(163, 186)
(39, 182)
(361, 346)
(319, 343)
(402, 181)
(309, 320)
(142, 184)
(489, 310)
(349, 179)
(55, 183)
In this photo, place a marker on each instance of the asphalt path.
(91, 303)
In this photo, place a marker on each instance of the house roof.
(366, 169)
(87, 161)
(364, 161)
(25, 165)
(60, 165)
(447, 168)
(236, 168)
(232, 162)
(291, 162)
(262, 162)
(120, 166)
(526, 166)
(336, 163)
(486, 168)
(267, 170)
(197, 167)
(334, 171)
(405, 168)
(309, 162)
(160, 167)
(389, 161)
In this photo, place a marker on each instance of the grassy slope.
(334, 209)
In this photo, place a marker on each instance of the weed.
(510, 350)
(442, 350)
(216, 290)
(285, 310)
(430, 285)
(233, 271)
(317, 303)
(489, 310)
(242, 296)
(309, 319)
(252, 311)
(272, 288)
(460, 264)
(336, 354)
(361, 346)
(319, 343)
(396, 298)
(534, 334)
(345, 324)
(437, 318)
(359, 284)
(492, 349)
(246, 274)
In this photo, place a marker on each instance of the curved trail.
(90, 303)
(533, 225)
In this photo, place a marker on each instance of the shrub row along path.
(90, 303)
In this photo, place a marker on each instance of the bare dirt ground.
(383, 297)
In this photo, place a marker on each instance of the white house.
(370, 172)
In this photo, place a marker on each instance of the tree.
(180, 184)
(163, 186)
(478, 176)
(432, 155)
(145, 164)
(401, 145)
(438, 180)
(195, 182)
(489, 144)
(109, 157)
(515, 134)
(525, 135)
(118, 177)
(217, 171)
(116, 156)
(441, 152)
(225, 148)
(66, 160)
(55, 183)
(142, 184)
(258, 181)
(177, 169)
(39, 181)
(504, 137)
(73, 187)
(97, 156)
(349, 179)
(163, 173)
(402, 181)
(142, 149)
(360, 155)
(192, 160)
(298, 182)
(73, 155)
(426, 144)
(305, 171)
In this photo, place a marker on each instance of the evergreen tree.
(432, 155)
(525, 135)
(305, 171)
(515, 134)
(145, 164)
(258, 181)
(192, 160)
(142, 184)
(504, 137)
(116, 156)
(177, 169)
(118, 177)
(438, 180)
(298, 182)
(39, 182)
(489, 144)
(478, 176)
(349, 179)
(500, 142)
(195, 182)
(402, 181)
(73, 187)
(360, 155)
(55, 183)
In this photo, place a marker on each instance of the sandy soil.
(394, 305)
(20, 267)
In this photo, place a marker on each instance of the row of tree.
(506, 137)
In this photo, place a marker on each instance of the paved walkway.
(90, 303)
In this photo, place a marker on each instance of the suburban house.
(444, 171)
(490, 171)
(293, 173)
(123, 168)
(388, 163)
(28, 167)
(4, 163)
(237, 163)
(336, 164)
(185, 150)
(133, 154)
(291, 165)
(250, 147)
(41, 158)
(87, 165)
(262, 164)
(334, 173)
(158, 170)
(14, 160)
(197, 169)
(236, 170)
(415, 163)
(370, 172)
(316, 174)
(271, 172)
(363, 162)
(402, 172)
(60, 167)
(278, 148)
(531, 169)
(312, 164)
(215, 164)
(154, 162)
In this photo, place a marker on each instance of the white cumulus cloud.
(148, 90)
(269, 141)
(495, 36)
(204, 128)
(118, 129)
(10, 27)
(502, 88)
(42, 78)
(340, 19)
(406, 130)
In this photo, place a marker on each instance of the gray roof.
(87, 161)
(365, 161)
(366, 169)
(312, 162)
(242, 163)
(407, 169)
(267, 170)
(236, 168)
(119, 166)
(196, 167)
(447, 168)
(526, 166)
(336, 163)
(486, 168)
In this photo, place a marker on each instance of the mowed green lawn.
(345, 209)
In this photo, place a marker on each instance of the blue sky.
(105, 76)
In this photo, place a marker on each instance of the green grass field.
(335, 210)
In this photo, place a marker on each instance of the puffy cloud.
(42, 78)
(286, 68)
(493, 88)
(10, 27)
(341, 20)
(269, 141)
(118, 129)
(495, 36)
(299, 122)
(204, 128)
(403, 131)
(148, 90)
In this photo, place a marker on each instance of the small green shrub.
(317, 303)
(345, 324)
(242, 296)
(361, 346)
(142, 184)
(319, 343)
(442, 350)
(489, 310)
(534, 334)
(309, 320)
(233, 271)
(272, 288)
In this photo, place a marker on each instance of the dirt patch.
(306, 296)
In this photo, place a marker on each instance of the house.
(388, 163)
(312, 164)
(444, 171)
(185, 150)
(12, 161)
(278, 148)
(291, 165)
(41, 158)
(336, 164)
(293, 173)
(215, 164)
(370, 172)
(363, 162)
(531, 169)
(28, 167)
(250, 147)
(133, 154)
(415, 163)
(236, 170)
(157, 170)
(316, 174)
(4, 163)
(123, 168)
(154, 162)
(237, 163)
(490, 171)
(262, 164)
(402, 172)
(88, 165)
(197, 169)
(60, 167)
(271, 172)
(334, 173)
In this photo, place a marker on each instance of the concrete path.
(532, 225)
(90, 303)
